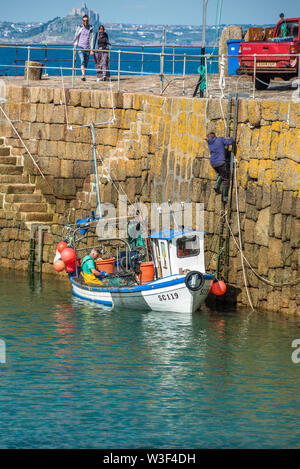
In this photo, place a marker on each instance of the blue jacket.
(216, 147)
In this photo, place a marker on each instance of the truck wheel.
(262, 82)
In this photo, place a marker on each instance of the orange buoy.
(61, 246)
(108, 265)
(68, 255)
(59, 265)
(147, 272)
(218, 288)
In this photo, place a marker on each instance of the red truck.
(270, 63)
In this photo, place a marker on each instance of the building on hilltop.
(94, 17)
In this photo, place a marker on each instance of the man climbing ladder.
(216, 147)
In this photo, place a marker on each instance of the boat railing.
(100, 243)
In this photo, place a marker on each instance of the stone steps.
(30, 207)
(8, 160)
(19, 199)
(4, 151)
(20, 189)
(13, 178)
(10, 169)
(23, 198)
(35, 216)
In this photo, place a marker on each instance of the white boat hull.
(166, 294)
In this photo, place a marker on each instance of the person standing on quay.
(101, 58)
(84, 40)
(216, 147)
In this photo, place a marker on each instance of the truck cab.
(275, 57)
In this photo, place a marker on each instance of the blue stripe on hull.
(150, 286)
(101, 302)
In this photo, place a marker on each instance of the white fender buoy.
(57, 256)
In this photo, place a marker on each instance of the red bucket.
(147, 272)
(108, 265)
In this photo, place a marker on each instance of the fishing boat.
(166, 275)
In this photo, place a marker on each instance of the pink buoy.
(59, 265)
(68, 255)
(218, 288)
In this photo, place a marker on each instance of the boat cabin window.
(188, 246)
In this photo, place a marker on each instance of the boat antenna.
(204, 22)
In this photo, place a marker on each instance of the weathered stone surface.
(275, 257)
(261, 231)
(74, 98)
(67, 168)
(269, 110)
(254, 113)
(81, 169)
(85, 98)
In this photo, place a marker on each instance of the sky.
(154, 11)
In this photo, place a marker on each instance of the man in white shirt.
(84, 40)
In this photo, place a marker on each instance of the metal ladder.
(232, 116)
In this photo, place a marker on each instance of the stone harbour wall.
(155, 151)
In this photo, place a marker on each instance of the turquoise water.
(77, 376)
(129, 63)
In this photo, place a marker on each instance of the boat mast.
(204, 22)
(94, 157)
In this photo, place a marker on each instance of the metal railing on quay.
(144, 56)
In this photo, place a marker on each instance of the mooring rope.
(222, 83)
(240, 234)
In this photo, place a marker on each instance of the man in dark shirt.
(216, 147)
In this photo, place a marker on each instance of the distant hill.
(61, 31)
(57, 30)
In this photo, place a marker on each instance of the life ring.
(194, 280)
